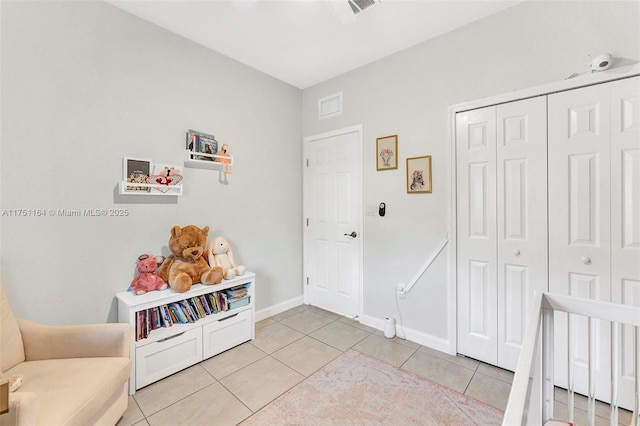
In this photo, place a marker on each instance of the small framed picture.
(387, 153)
(419, 175)
(136, 170)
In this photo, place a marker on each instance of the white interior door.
(522, 219)
(625, 223)
(333, 221)
(579, 232)
(476, 233)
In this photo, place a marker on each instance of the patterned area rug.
(355, 389)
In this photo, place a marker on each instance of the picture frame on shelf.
(136, 170)
(199, 142)
(419, 175)
(387, 153)
(166, 175)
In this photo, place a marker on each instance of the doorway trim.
(306, 140)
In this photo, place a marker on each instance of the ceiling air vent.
(359, 5)
(330, 106)
(348, 9)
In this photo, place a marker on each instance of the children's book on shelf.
(190, 310)
(201, 142)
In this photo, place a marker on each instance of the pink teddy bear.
(147, 278)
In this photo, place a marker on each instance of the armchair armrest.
(76, 341)
(23, 409)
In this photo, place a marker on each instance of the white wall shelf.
(204, 164)
(153, 189)
(167, 350)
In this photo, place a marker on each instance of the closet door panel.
(476, 217)
(579, 223)
(521, 156)
(625, 222)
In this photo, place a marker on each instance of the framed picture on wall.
(419, 175)
(387, 153)
(136, 170)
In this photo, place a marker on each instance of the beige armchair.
(73, 375)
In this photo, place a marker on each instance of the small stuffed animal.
(226, 162)
(220, 254)
(187, 263)
(147, 279)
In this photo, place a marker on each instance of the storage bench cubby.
(162, 343)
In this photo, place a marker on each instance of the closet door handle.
(586, 260)
(516, 252)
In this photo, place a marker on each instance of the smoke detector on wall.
(348, 10)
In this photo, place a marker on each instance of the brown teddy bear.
(186, 264)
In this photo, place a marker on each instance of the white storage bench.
(162, 346)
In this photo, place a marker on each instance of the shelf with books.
(204, 321)
(215, 305)
(206, 161)
(204, 151)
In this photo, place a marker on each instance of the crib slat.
(570, 382)
(548, 397)
(615, 371)
(591, 405)
(636, 411)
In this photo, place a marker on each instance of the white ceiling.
(304, 42)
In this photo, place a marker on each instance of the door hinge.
(307, 280)
(307, 221)
(307, 162)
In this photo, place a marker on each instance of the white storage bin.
(223, 334)
(167, 356)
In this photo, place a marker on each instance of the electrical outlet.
(400, 288)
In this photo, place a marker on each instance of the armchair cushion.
(73, 341)
(11, 347)
(71, 391)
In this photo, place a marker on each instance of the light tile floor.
(290, 346)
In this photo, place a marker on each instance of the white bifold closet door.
(594, 224)
(625, 235)
(502, 226)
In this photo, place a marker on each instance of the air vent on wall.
(348, 9)
(330, 106)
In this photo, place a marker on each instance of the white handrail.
(406, 288)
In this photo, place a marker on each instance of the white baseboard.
(276, 309)
(424, 339)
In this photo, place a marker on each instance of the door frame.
(543, 90)
(305, 208)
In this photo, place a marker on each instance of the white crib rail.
(532, 392)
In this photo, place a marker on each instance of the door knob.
(516, 252)
(586, 260)
(352, 234)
